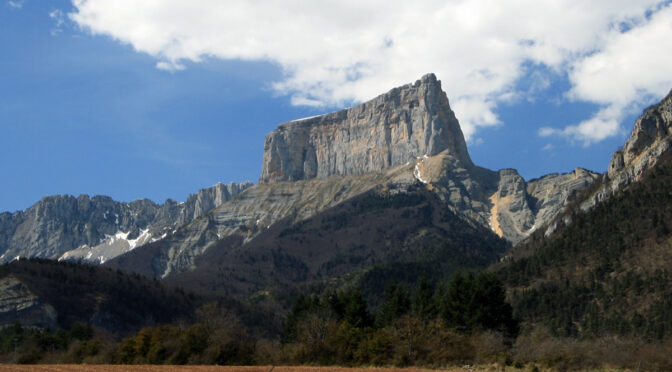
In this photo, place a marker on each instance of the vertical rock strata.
(392, 129)
(98, 228)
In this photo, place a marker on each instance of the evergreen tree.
(354, 309)
(423, 302)
(396, 302)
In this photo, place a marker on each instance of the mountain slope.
(56, 294)
(605, 267)
(99, 228)
(408, 136)
(373, 229)
(651, 137)
(609, 271)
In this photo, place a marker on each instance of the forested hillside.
(608, 272)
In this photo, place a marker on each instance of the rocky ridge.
(98, 228)
(650, 138)
(408, 136)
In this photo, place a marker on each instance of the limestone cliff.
(253, 211)
(99, 228)
(518, 208)
(650, 138)
(408, 136)
(390, 130)
(18, 303)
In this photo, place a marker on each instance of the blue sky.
(120, 99)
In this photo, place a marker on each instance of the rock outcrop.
(550, 193)
(18, 303)
(519, 208)
(390, 130)
(511, 215)
(650, 138)
(99, 228)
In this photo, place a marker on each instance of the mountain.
(99, 228)
(605, 267)
(404, 143)
(392, 129)
(54, 294)
(401, 141)
(361, 234)
(651, 137)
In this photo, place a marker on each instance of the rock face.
(390, 130)
(552, 192)
(18, 303)
(253, 212)
(650, 138)
(403, 139)
(519, 208)
(96, 229)
(406, 137)
(511, 215)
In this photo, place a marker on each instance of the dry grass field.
(148, 368)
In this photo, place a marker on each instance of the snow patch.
(416, 172)
(144, 236)
(306, 118)
(159, 238)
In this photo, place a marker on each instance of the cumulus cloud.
(604, 124)
(338, 53)
(630, 71)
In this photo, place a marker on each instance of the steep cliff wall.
(392, 129)
(650, 138)
(408, 136)
(99, 228)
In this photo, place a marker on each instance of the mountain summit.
(399, 143)
(394, 128)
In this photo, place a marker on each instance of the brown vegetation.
(149, 368)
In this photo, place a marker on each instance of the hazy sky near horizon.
(157, 99)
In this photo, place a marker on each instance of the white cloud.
(605, 123)
(632, 70)
(16, 4)
(170, 66)
(589, 131)
(337, 53)
(59, 18)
